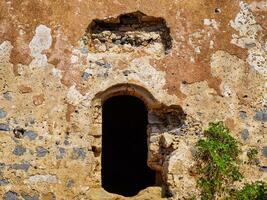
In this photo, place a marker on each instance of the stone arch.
(128, 89)
(97, 103)
(161, 119)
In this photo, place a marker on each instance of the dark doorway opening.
(124, 146)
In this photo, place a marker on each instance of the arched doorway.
(124, 146)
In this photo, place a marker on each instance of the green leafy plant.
(252, 156)
(252, 191)
(217, 167)
(217, 160)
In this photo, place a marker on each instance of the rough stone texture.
(10, 196)
(2, 113)
(243, 114)
(41, 151)
(53, 81)
(151, 193)
(19, 150)
(23, 166)
(264, 151)
(78, 153)
(29, 197)
(4, 127)
(61, 153)
(42, 178)
(261, 116)
(3, 182)
(38, 99)
(7, 95)
(31, 135)
(245, 134)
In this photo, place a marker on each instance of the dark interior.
(124, 146)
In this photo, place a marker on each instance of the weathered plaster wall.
(215, 70)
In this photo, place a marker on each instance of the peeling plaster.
(5, 51)
(211, 22)
(42, 40)
(74, 97)
(245, 24)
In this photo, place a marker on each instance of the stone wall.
(203, 59)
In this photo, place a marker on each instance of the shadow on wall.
(134, 29)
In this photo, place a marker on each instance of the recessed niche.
(124, 146)
(128, 32)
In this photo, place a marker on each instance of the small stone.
(49, 196)
(156, 129)
(261, 116)
(25, 89)
(103, 64)
(43, 178)
(86, 75)
(30, 134)
(23, 166)
(70, 183)
(41, 151)
(4, 127)
(19, 150)
(264, 152)
(263, 168)
(78, 153)
(66, 142)
(29, 197)
(84, 50)
(184, 126)
(113, 36)
(38, 99)
(117, 42)
(61, 153)
(106, 33)
(177, 131)
(124, 40)
(166, 140)
(153, 139)
(96, 42)
(245, 134)
(2, 166)
(107, 65)
(243, 114)
(250, 45)
(7, 96)
(3, 182)
(102, 48)
(32, 120)
(99, 63)
(2, 113)
(118, 37)
(10, 195)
